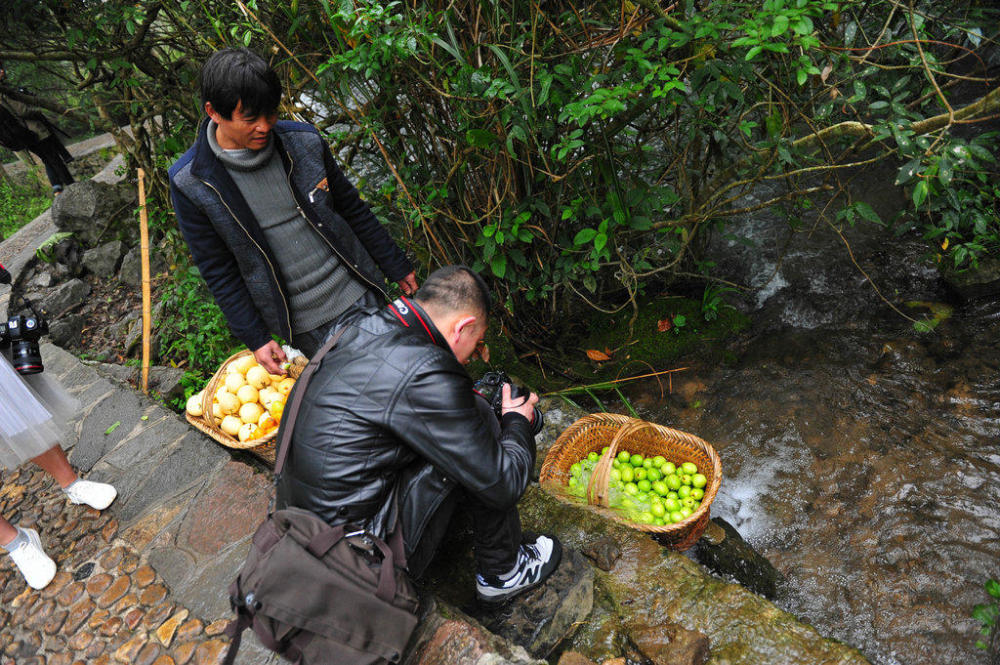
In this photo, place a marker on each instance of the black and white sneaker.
(535, 562)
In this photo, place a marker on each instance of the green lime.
(689, 468)
(593, 456)
(685, 478)
(646, 518)
(631, 488)
(659, 521)
(699, 480)
(643, 485)
(697, 494)
(660, 488)
(636, 460)
(668, 469)
(684, 491)
(671, 505)
(615, 475)
(573, 482)
(623, 456)
(604, 450)
(686, 512)
(648, 462)
(640, 473)
(653, 474)
(671, 494)
(675, 516)
(658, 461)
(673, 482)
(657, 509)
(627, 473)
(575, 469)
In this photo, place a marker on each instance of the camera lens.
(26, 357)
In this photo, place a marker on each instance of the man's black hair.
(456, 287)
(238, 74)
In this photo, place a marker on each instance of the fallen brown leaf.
(598, 356)
(663, 325)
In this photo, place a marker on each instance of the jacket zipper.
(350, 266)
(288, 316)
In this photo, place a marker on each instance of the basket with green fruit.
(651, 477)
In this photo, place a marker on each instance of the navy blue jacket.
(229, 247)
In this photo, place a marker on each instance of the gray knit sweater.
(318, 287)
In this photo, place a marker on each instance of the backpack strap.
(288, 419)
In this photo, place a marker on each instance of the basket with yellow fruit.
(242, 404)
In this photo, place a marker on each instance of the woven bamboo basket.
(593, 432)
(264, 447)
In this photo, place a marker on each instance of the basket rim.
(548, 481)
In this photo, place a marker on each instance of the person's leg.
(55, 168)
(95, 495)
(25, 550)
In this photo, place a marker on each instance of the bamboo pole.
(144, 253)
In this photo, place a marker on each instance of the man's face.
(242, 130)
(469, 340)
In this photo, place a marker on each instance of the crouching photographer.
(32, 431)
(382, 439)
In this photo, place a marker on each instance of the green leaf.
(752, 53)
(867, 212)
(993, 588)
(498, 264)
(945, 171)
(113, 427)
(780, 25)
(480, 138)
(584, 236)
(908, 171)
(801, 76)
(600, 240)
(920, 193)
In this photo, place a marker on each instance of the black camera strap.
(412, 316)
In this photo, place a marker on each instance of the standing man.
(23, 127)
(390, 425)
(280, 235)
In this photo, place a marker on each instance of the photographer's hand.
(524, 406)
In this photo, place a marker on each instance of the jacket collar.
(206, 166)
(412, 315)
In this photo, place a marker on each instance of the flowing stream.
(859, 456)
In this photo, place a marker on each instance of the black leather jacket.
(390, 409)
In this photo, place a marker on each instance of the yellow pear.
(258, 377)
(250, 413)
(285, 386)
(248, 432)
(231, 425)
(194, 405)
(217, 411)
(234, 382)
(228, 403)
(266, 422)
(247, 394)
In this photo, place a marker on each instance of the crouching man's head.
(458, 302)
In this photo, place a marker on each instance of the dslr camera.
(490, 386)
(21, 334)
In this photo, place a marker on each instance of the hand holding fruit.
(270, 356)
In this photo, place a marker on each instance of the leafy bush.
(19, 204)
(193, 329)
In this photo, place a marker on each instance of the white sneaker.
(535, 562)
(95, 495)
(36, 566)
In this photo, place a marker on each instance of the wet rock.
(541, 618)
(604, 552)
(574, 658)
(95, 212)
(165, 633)
(42, 280)
(446, 636)
(102, 261)
(981, 282)
(733, 557)
(671, 644)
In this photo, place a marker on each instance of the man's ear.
(211, 112)
(462, 323)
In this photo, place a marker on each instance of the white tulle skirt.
(33, 414)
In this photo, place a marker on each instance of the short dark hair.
(236, 75)
(456, 287)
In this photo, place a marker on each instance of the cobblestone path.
(104, 606)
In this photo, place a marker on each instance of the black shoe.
(535, 562)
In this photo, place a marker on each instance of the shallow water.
(859, 456)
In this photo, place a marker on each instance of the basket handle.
(597, 488)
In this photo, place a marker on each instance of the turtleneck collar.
(243, 159)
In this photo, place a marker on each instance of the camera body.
(21, 333)
(490, 386)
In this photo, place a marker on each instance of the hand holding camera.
(505, 396)
(525, 405)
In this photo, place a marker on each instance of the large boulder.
(131, 268)
(980, 282)
(96, 212)
(102, 261)
(56, 301)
